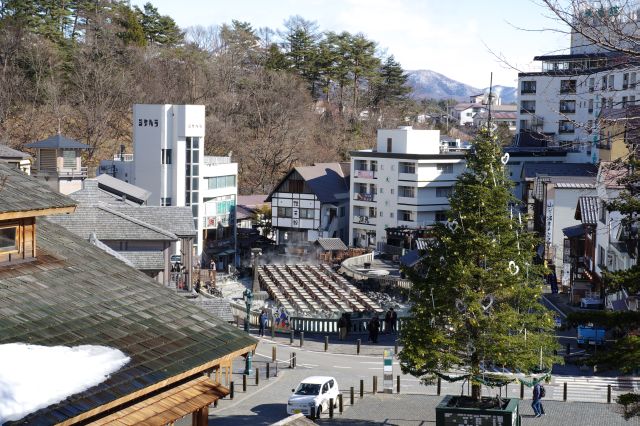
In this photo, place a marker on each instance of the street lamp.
(248, 299)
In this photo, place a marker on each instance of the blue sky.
(451, 37)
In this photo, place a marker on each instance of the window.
(566, 126)
(603, 213)
(528, 87)
(601, 256)
(285, 212)
(568, 107)
(372, 212)
(590, 106)
(9, 239)
(527, 107)
(405, 216)
(380, 214)
(610, 103)
(625, 99)
(392, 191)
(165, 201)
(441, 216)
(604, 82)
(407, 167)
(632, 80)
(389, 144)
(611, 82)
(166, 156)
(592, 83)
(445, 168)
(625, 81)
(221, 182)
(567, 86)
(443, 192)
(342, 211)
(69, 159)
(589, 128)
(325, 388)
(632, 100)
(307, 213)
(374, 166)
(407, 191)
(391, 214)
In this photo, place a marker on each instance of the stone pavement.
(414, 410)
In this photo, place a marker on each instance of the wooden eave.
(157, 386)
(39, 212)
(169, 405)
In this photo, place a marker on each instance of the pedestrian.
(263, 322)
(342, 327)
(536, 404)
(394, 320)
(374, 328)
(198, 286)
(387, 322)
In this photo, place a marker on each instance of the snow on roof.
(61, 372)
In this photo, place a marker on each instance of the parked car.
(175, 259)
(312, 396)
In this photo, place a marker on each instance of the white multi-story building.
(169, 161)
(405, 181)
(562, 101)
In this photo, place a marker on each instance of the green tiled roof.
(76, 294)
(19, 192)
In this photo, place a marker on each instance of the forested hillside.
(273, 97)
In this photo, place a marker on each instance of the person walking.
(387, 322)
(374, 328)
(342, 327)
(536, 404)
(263, 322)
(394, 320)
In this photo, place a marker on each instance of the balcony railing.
(568, 110)
(214, 161)
(80, 172)
(364, 219)
(366, 174)
(528, 91)
(123, 157)
(565, 130)
(363, 196)
(527, 110)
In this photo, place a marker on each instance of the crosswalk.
(591, 388)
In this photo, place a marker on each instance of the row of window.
(221, 182)
(302, 213)
(408, 216)
(607, 82)
(403, 191)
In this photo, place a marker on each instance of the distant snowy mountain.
(430, 84)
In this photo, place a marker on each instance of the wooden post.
(231, 389)
(301, 338)
(273, 330)
(273, 354)
(244, 383)
(439, 385)
(326, 343)
(291, 338)
(340, 403)
(351, 398)
(398, 383)
(330, 408)
(361, 388)
(375, 384)
(564, 392)
(291, 360)
(608, 394)
(257, 376)
(358, 342)
(294, 360)
(268, 370)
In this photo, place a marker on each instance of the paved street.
(266, 403)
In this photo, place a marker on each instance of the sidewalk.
(315, 342)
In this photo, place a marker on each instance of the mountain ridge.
(433, 85)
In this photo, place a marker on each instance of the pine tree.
(477, 292)
(390, 86)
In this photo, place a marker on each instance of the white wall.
(408, 140)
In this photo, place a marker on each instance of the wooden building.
(57, 289)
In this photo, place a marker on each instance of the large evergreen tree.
(477, 292)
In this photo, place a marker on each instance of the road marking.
(338, 366)
(309, 365)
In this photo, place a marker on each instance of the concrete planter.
(448, 414)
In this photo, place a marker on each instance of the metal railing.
(214, 161)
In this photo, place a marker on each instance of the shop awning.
(170, 405)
